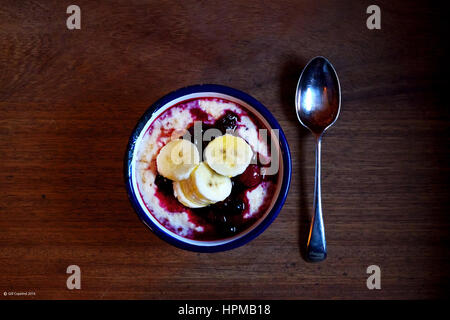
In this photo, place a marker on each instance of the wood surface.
(69, 100)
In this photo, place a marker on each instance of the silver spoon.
(317, 103)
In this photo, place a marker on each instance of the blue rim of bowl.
(284, 148)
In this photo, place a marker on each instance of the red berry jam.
(251, 176)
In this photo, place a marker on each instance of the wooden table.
(70, 98)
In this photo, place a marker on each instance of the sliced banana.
(177, 159)
(184, 200)
(209, 185)
(228, 155)
(190, 192)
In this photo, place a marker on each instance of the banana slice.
(177, 159)
(181, 196)
(208, 185)
(228, 155)
(189, 190)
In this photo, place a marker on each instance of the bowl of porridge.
(207, 168)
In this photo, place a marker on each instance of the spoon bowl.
(317, 104)
(318, 96)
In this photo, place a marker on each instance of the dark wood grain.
(69, 100)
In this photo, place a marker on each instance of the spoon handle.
(316, 248)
